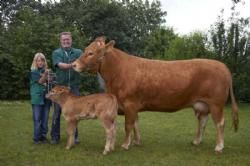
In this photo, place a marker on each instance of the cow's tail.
(235, 115)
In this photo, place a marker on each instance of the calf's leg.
(71, 129)
(109, 127)
(113, 129)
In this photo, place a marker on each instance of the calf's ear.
(110, 45)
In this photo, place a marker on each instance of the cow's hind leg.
(201, 112)
(218, 118)
(137, 137)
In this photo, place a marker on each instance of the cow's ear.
(101, 39)
(110, 45)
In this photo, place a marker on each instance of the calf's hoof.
(67, 147)
(125, 146)
(105, 152)
(196, 143)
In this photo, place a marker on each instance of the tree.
(127, 22)
(27, 31)
(188, 46)
(230, 40)
(158, 42)
(143, 19)
(30, 26)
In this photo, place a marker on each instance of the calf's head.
(57, 92)
(93, 55)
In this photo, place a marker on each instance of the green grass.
(165, 141)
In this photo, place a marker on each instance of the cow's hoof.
(124, 146)
(218, 152)
(219, 149)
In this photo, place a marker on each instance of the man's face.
(66, 41)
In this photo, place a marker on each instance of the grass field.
(166, 140)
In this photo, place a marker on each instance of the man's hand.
(64, 65)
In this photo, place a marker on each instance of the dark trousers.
(55, 128)
(40, 120)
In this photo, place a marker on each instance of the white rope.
(69, 69)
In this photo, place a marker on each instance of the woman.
(40, 105)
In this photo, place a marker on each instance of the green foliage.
(30, 26)
(8, 81)
(158, 42)
(142, 19)
(188, 46)
(89, 84)
(127, 22)
(231, 45)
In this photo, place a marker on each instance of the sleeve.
(56, 58)
(35, 76)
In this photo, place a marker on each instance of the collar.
(68, 50)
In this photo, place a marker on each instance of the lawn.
(166, 140)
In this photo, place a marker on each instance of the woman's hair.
(36, 57)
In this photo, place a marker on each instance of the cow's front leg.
(130, 118)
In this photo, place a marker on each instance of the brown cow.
(167, 86)
(74, 108)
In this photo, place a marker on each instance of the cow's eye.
(90, 53)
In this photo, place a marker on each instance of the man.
(65, 75)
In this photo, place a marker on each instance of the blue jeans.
(55, 128)
(40, 120)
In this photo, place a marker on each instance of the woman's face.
(40, 62)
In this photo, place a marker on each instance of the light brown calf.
(74, 108)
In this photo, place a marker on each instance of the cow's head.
(57, 92)
(93, 55)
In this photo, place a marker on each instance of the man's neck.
(68, 49)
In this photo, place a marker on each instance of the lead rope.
(51, 81)
(69, 69)
(48, 82)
